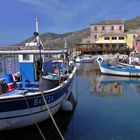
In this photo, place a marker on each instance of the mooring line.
(54, 122)
(34, 119)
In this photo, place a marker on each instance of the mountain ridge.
(54, 40)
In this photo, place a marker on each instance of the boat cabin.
(31, 66)
(134, 58)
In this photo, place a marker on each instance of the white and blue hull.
(130, 65)
(107, 68)
(117, 72)
(23, 110)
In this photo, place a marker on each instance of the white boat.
(133, 60)
(84, 59)
(108, 68)
(38, 93)
(129, 65)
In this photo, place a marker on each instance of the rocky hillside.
(52, 40)
(133, 23)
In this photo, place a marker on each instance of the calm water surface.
(108, 108)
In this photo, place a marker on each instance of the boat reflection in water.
(115, 85)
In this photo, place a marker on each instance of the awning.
(110, 42)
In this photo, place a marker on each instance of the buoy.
(71, 63)
(67, 106)
(115, 85)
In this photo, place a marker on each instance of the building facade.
(107, 36)
(131, 35)
(136, 44)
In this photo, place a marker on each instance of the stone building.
(105, 37)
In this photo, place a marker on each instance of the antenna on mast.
(37, 24)
(36, 34)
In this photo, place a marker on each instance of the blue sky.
(17, 17)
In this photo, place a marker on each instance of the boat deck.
(22, 91)
(14, 92)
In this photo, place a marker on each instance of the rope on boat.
(40, 45)
(34, 119)
(57, 128)
(54, 122)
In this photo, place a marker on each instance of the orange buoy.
(115, 85)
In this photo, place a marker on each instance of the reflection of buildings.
(135, 87)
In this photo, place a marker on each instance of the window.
(103, 28)
(120, 27)
(114, 38)
(121, 38)
(137, 55)
(95, 28)
(95, 36)
(26, 57)
(134, 36)
(112, 27)
(106, 38)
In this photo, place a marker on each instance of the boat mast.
(36, 34)
(39, 46)
(36, 24)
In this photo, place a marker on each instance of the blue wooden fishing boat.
(40, 88)
(108, 68)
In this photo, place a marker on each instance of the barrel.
(8, 78)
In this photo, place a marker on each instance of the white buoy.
(71, 63)
(67, 106)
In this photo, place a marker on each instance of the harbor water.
(108, 108)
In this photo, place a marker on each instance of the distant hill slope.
(52, 40)
(133, 23)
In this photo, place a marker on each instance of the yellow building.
(112, 42)
(130, 36)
